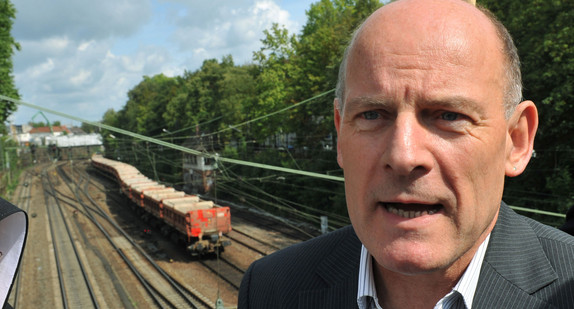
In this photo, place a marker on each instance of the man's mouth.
(411, 210)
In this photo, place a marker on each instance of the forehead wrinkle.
(456, 102)
(369, 101)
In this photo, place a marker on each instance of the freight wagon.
(200, 224)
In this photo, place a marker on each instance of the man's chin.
(413, 270)
(413, 265)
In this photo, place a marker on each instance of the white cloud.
(80, 78)
(218, 28)
(89, 75)
(42, 69)
(85, 45)
(82, 57)
(80, 19)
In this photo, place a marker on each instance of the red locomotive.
(200, 224)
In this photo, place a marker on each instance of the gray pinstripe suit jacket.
(527, 265)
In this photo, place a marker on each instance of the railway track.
(124, 266)
(275, 225)
(226, 270)
(23, 202)
(162, 289)
(253, 243)
(76, 290)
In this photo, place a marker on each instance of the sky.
(82, 57)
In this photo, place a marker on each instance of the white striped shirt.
(466, 285)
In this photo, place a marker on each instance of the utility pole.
(8, 167)
(2, 152)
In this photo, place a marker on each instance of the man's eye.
(449, 116)
(371, 115)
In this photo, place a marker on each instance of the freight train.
(200, 224)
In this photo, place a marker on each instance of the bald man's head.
(449, 21)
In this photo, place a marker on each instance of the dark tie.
(455, 301)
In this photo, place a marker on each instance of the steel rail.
(48, 187)
(156, 299)
(23, 199)
(184, 292)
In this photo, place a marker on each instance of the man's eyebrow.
(448, 102)
(369, 101)
(455, 102)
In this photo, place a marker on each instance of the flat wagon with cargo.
(200, 224)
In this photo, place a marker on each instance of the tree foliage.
(7, 48)
(218, 98)
(216, 101)
(318, 52)
(41, 124)
(543, 32)
(275, 81)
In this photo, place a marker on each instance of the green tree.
(88, 128)
(211, 98)
(211, 77)
(296, 68)
(274, 83)
(330, 24)
(543, 32)
(110, 117)
(150, 98)
(238, 92)
(37, 124)
(7, 47)
(288, 69)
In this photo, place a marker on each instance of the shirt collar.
(466, 285)
(366, 290)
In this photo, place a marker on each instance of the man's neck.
(396, 290)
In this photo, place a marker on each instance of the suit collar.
(339, 270)
(503, 274)
(513, 241)
(515, 266)
(343, 261)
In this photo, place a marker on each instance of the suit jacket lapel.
(339, 271)
(514, 267)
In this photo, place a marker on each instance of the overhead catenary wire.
(282, 204)
(226, 176)
(181, 148)
(223, 159)
(166, 134)
(231, 127)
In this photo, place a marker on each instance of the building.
(61, 136)
(198, 172)
(43, 136)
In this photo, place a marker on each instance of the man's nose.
(407, 148)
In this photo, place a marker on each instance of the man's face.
(423, 140)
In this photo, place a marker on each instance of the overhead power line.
(178, 147)
(217, 157)
(231, 127)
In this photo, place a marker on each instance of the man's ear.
(337, 118)
(522, 127)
